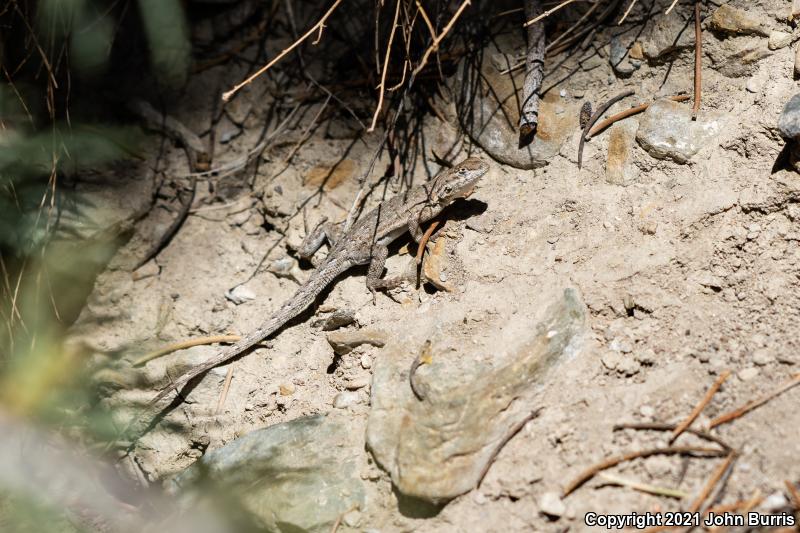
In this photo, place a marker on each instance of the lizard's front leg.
(324, 231)
(413, 227)
(376, 265)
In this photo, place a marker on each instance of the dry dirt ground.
(686, 271)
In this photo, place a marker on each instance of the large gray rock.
(665, 34)
(440, 446)
(488, 110)
(728, 19)
(296, 476)
(667, 131)
(789, 121)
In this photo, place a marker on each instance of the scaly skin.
(365, 243)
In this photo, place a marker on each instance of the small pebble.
(762, 357)
(366, 362)
(352, 519)
(287, 389)
(775, 502)
(647, 411)
(748, 373)
(550, 504)
(240, 294)
(343, 400)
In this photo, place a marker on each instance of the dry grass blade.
(319, 26)
(185, 344)
(736, 413)
(589, 473)
(700, 406)
(225, 388)
(642, 487)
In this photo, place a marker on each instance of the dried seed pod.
(586, 114)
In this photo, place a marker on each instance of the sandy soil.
(686, 271)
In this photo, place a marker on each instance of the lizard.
(366, 242)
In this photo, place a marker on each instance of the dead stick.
(608, 463)
(318, 26)
(597, 114)
(534, 74)
(435, 44)
(225, 387)
(712, 482)
(627, 113)
(185, 344)
(700, 406)
(382, 86)
(655, 426)
(698, 60)
(732, 415)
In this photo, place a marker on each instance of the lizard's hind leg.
(324, 231)
(377, 262)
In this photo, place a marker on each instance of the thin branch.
(625, 15)
(225, 388)
(318, 26)
(698, 60)
(670, 7)
(597, 114)
(608, 463)
(438, 39)
(547, 13)
(700, 406)
(656, 426)
(382, 86)
(183, 345)
(627, 113)
(732, 415)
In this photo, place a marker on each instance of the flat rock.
(665, 34)
(667, 131)
(488, 111)
(789, 121)
(344, 342)
(297, 476)
(729, 19)
(440, 447)
(619, 169)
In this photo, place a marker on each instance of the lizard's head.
(458, 181)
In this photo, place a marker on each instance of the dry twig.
(698, 60)
(534, 74)
(600, 126)
(382, 86)
(225, 387)
(655, 426)
(319, 26)
(547, 13)
(627, 11)
(736, 413)
(597, 114)
(438, 39)
(608, 463)
(183, 345)
(700, 406)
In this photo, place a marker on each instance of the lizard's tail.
(295, 305)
